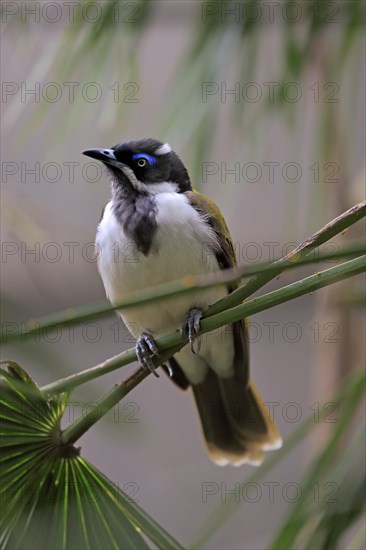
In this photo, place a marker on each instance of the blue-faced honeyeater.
(173, 231)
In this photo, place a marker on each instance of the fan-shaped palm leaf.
(51, 497)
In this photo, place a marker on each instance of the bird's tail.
(236, 424)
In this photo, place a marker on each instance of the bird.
(155, 229)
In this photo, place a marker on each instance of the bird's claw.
(191, 328)
(169, 370)
(145, 351)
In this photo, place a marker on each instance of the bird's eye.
(143, 159)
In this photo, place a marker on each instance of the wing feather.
(225, 256)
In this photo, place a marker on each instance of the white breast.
(181, 246)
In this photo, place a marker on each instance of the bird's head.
(144, 166)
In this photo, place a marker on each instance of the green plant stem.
(73, 432)
(334, 227)
(167, 290)
(319, 280)
(289, 292)
(104, 405)
(264, 274)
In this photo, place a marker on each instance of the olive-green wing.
(207, 208)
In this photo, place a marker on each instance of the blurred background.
(264, 102)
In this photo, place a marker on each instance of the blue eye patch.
(149, 158)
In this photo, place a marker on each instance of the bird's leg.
(145, 351)
(191, 328)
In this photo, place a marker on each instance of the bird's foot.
(191, 328)
(145, 351)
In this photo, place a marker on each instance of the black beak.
(104, 155)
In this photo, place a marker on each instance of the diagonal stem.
(188, 284)
(104, 405)
(289, 292)
(324, 234)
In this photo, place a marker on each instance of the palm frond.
(49, 492)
